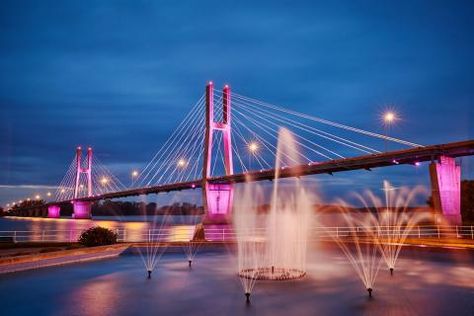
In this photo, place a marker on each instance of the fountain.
(155, 245)
(273, 246)
(191, 237)
(393, 222)
(360, 244)
(381, 233)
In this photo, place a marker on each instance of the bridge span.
(188, 158)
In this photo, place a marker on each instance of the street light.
(388, 118)
(181, 162)
(253, 147)
(134, 176)
(104, 181)
(48, 194)
(37, 197)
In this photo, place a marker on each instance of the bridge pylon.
(217, 197)
(446, 188)
(82, 209)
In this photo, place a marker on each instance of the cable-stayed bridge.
(228, 138)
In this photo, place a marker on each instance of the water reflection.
(135, 229)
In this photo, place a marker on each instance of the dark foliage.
(467, 200)
(97, 236)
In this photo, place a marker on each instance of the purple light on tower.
(217, 198)
(82, 210)
(54, 211)
(446, 188)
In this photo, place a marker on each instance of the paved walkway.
(36, 261)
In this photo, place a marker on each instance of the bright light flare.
(389, 117)
(253, 147)
(181, 162)
(104, 180)
(37, 197)
(134, 173)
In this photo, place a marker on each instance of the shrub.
(97, 236)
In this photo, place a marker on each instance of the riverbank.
(43, 256)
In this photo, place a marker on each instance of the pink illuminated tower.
(217, 198)
(80, 169)
(82, 209)
(446, 188)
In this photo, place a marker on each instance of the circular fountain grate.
(272, 273)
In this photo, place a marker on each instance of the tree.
(467, 200)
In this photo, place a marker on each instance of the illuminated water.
(273, 246)
(135, 226)
(428, 282)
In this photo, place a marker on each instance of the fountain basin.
(272, 273)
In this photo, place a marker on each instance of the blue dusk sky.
(120, 75)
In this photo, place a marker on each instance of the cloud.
(28, 186)
(121, 76)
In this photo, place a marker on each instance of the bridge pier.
(446, 188)
(82, 210)
(54, 211)
(218, 199)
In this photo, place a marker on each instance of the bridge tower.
(217, 197)
(446, 188)
(82, 209)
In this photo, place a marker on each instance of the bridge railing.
(185, 233)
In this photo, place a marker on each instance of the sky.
(120, 75)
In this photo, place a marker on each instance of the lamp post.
(133, 176)
(253, 149)
(389, 118)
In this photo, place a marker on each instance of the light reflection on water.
(136, 227)
(426, 283)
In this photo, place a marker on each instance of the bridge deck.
(393, 158)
